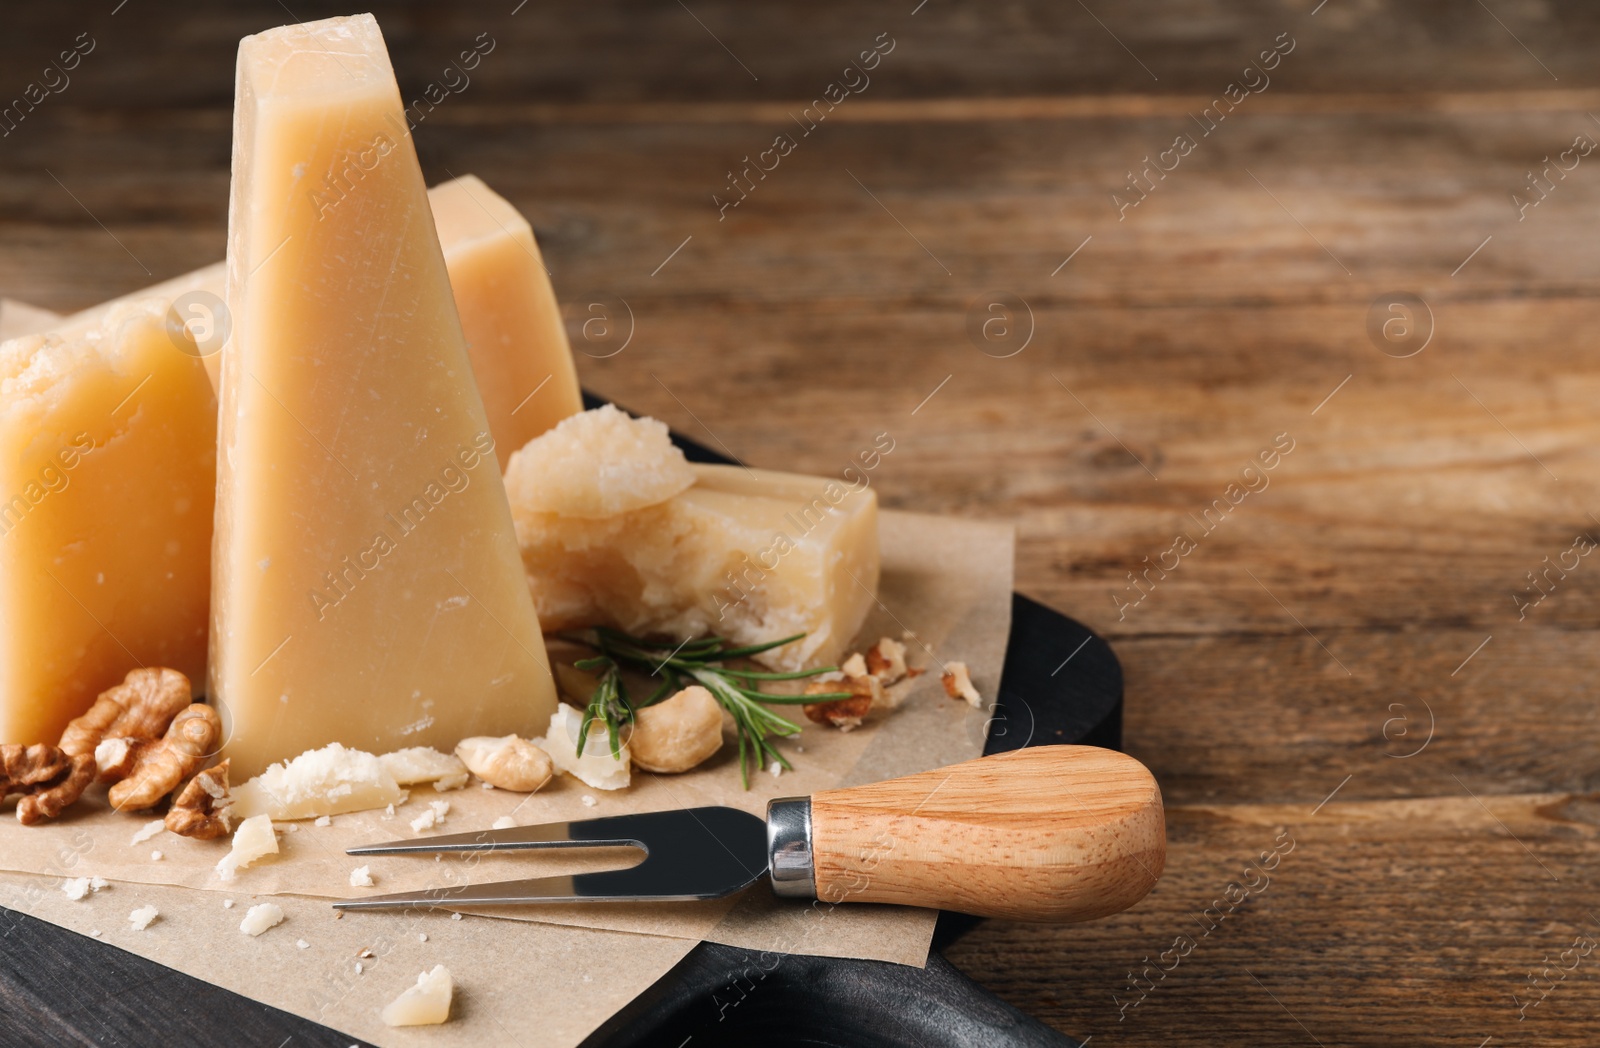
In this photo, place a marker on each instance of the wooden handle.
(1048, 833)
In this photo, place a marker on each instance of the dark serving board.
(1060, 684)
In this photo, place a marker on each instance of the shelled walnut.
(48, 779)
(158, 767)
(140, 707)
(201, 808)
(844, 714)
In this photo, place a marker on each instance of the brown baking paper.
(946, 583)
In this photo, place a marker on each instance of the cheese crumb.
(424, 821)
(389, 811)
(361, 877)
(227, 904)
(95, 932)
(155, 856)
(252, 840)
(588, 801)
(455, 916)
(358, 968)
(854, 666)
(148, 830)
(422, 936)
(504, 822)
(302, 944)
(776, 770)
(426, 1003)
(440, 809)
(260, 917)
(141, 918)
(323, 820)
(77, 888)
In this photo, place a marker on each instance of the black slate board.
(1060, 684)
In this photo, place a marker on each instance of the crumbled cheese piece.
(323, 820)
(598, 464)
(329, 781)
(155, 856)
(426, 1003)
(440, 809)
(957, 681)
(597, 768)
(420, 764)
(95, 932)
(588, 801)
(422, 936)
(424, 821)
(361, 877)
(77, 888)
(302, 944)
(455, 916)
(776, 770)
(504, 822)
(487, 785)
(389, 811)
(227, 904)
(260, 917)
(141, 918)
(854, 666)
(148, 830)
(358, 968)
(252, 840)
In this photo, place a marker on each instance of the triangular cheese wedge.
(515, 337)
(366, 584)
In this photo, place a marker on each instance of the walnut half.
(140, 707)
(48, 779)
(159, 766)
(201, 809)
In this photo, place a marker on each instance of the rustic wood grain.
(1378, 584)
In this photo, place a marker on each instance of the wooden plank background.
(1281, 673)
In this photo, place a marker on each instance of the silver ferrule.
(789, 847)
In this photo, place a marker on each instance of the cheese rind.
(365, 585)
(509, 314)
(751, 555)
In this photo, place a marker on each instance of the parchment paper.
(946, 581)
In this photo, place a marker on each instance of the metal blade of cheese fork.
(693, 853)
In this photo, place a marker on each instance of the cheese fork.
(1048, 833)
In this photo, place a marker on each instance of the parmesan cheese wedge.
(127, 534)
(509, 314)
(364, 585)
(751, 555)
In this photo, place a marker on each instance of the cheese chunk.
(425, 1004)
(365, 583)
(330, 781)
(107, 459)
(750, 555)
(508, 311)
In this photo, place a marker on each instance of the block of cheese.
(751, 555)
(107, 465)
(366, 585)
(72, 659)
(508, 312)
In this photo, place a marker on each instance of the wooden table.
(1349, 670)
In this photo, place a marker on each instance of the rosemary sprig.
(702, 662)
